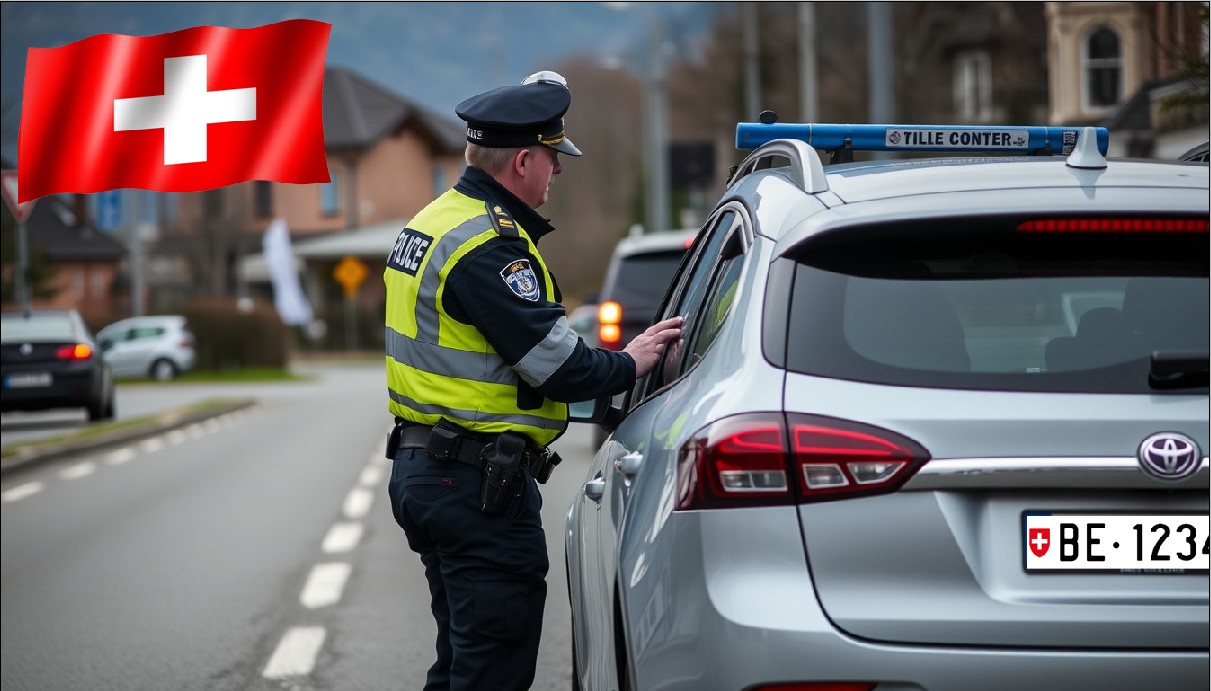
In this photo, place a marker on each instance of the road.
(255, 551)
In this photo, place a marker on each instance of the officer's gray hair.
(489, 160)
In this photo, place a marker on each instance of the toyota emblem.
(1169, 456)
(26, 349)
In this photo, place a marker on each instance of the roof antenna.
(1085, 154)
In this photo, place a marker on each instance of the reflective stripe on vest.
(438, 367)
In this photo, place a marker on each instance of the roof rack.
(842, 140)
(805, 166)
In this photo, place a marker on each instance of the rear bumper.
(728, 609)
(71, 388)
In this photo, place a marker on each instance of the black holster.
(545, 465)
(393, 441)
(502, 467)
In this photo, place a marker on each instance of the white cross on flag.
(180, 112)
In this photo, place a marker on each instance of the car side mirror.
(596, 411)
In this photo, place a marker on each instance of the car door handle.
(595, 488)
(629, 464)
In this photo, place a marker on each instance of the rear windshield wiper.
(1179, 369)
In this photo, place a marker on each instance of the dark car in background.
(636, 280)
(48, 360)
(637, 277)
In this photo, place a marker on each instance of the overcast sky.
(433, 53)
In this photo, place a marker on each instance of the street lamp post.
(656, 148)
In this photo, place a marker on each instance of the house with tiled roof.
(1122, 65)
(72, 264)
(387, 157)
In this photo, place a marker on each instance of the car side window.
(686, 296)
(715, 310)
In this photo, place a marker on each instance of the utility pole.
(656, 150)
(134, 235)
(752, 71)
(807, 59)
(879, 51)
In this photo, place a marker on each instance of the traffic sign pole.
(21, 279)
(8, 189)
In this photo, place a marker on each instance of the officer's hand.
(647, 347)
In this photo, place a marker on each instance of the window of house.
(330, 195)
(262, 199)
(1102, 55)
(973, 85)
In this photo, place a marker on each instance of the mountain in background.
(433, 53)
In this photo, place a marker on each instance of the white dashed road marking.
(296, 653)
(358, 503)
(79, 470)
(371, 476)
(20, 492)
(342, 537)
(120, 456)
(325, 584)
(151, 445)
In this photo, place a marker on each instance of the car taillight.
(78, 351)
(748, 460)
(609, 325)
(1115, 225)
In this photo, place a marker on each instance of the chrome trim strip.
(971, 473)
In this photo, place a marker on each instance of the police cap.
(520, 115)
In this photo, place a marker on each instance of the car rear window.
(643, 278)
(41, 327)
(979, 304)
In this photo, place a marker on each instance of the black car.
(638, 275)
(48, 359)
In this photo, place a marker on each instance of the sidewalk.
(92, 440)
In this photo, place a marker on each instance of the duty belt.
(466, 449)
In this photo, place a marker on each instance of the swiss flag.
(180, 112)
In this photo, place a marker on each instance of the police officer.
(481, 364)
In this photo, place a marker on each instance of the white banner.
(288, 295)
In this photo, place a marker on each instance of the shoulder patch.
(521, 279)
(502, 221)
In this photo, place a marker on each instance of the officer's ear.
(520, 160)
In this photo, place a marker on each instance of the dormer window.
(1102, 58)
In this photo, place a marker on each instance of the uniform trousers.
(486, 573)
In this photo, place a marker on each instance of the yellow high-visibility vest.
(437, 367)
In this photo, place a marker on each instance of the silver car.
(160, 347)
(933, 424)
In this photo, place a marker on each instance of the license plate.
(1124, 543)
(33, 379)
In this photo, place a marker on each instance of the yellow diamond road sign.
(350, 272)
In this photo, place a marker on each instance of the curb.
(164, 422)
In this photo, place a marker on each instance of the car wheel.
(96, 410)
(163, 370)
(109, 408)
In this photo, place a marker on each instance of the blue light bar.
(942, 138)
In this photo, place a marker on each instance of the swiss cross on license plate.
(1124, 543)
